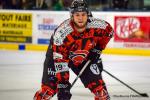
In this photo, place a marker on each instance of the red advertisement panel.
(132, 29)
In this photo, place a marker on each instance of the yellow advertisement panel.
(16, 27)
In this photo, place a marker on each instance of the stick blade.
(144, 95)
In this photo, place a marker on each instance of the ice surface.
(21, 73)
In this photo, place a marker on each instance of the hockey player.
(75, 41)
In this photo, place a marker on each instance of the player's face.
(80, 19)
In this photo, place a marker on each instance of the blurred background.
(98, 5)
(27, 25)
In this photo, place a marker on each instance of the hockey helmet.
(79, 6)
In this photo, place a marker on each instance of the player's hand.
(45, 93)
(94, 54)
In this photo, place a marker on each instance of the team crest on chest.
(78, 56)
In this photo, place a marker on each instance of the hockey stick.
(141, 94)
(80, 73)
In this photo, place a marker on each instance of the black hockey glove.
(94, 54)
(64, 91)
(96, 62)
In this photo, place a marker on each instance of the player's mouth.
(80, 22)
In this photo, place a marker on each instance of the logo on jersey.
(51, 72)
(94, 68)
(97, 23)
(102, 95)
(62, 31)
(62, 85)
(78, 56)
(61, 67)
(57, 55)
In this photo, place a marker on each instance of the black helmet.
(79, 6)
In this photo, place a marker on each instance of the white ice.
(21, 73)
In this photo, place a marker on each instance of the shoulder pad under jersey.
(97, 23)
(62, 31)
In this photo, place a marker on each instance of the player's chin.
(81, 25)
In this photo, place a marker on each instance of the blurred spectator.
(16, 4)
(27, 4)
(66, 4)
(41, 4)
(109, 5)
(1, 4)
(57, 5)
(12, 4)
(120, 4)
(49, 3)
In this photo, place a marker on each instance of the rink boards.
(31, 30)
(120, 51)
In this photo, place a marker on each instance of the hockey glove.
(94, 54)
(96, 61)
(45, 93)
(64, 91)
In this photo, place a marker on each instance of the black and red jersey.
(70, 45)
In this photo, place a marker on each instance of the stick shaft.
(122, 82)
(82, 70)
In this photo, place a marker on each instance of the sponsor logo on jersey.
(51, 72)
(57, 55)
(97, 23)
(62, 85)
(94, 68)
(62, 31)
(61, 67)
